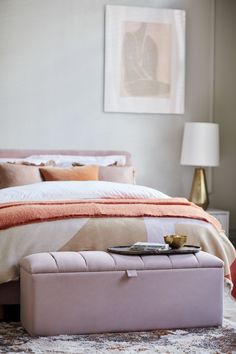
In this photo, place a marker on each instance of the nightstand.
(222, 216)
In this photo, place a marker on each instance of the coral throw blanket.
(21, 213)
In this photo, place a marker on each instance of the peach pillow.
(83, 173)
(17, 175)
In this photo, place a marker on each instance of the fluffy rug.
(13, 339)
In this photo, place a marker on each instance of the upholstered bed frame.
(9, 292)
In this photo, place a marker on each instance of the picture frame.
(144, 60)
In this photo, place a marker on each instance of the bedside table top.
(213, 210)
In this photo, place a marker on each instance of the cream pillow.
(118, 174)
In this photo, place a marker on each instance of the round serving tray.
(126, 250)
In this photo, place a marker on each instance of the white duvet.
(76, 190)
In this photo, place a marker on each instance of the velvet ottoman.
(93, 292)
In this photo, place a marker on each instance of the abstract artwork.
(144, 60)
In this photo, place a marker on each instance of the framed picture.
(144, 60)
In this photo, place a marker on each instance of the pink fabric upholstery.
(99, 261)
(92, 292)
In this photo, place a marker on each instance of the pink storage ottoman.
(93, 292)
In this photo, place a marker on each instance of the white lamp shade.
(200, 144)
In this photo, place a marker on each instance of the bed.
(62, 215)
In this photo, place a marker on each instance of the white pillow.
(67, 160)
(11, 159)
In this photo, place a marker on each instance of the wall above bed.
(51, 87)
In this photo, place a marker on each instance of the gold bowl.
(175, 241)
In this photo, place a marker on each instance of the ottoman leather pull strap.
(132, 273)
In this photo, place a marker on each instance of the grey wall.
(51, 86)
(224, 178)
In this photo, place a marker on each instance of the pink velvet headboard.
(24, 153)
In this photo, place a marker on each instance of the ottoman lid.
(99, 261)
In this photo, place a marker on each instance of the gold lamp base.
(199, 193)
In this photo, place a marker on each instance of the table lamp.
(200, 148)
